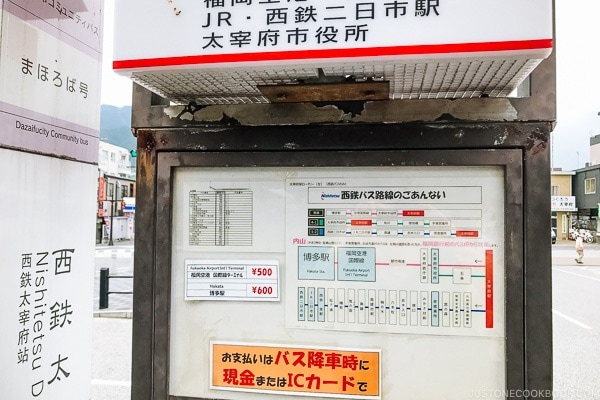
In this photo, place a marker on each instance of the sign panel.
(417, 255)
(563, 203)
(232, 280)
(316, 372)
(47, 284)
(50, 72)
(405, 261)
(129, 204)
(277, 31)
(243, 50)
(50, 54)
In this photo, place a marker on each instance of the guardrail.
(104, 286)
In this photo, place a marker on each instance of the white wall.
(116, 161)
(595, 154)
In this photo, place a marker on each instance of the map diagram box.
(356, 264)
(316, 263)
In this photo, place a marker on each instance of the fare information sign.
(315, 372)
(232, 280)
(275, 31)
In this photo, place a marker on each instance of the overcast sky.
(116, 90)
(578, 66)
(578, 95)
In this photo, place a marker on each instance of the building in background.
(585, 189)
(116, 161)
(116, 194)
(594, 150)
(563, 202)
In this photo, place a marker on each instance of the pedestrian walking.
(579, 248)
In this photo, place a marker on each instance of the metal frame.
(538, 103)
(521, 148)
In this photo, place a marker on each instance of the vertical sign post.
(50, 55)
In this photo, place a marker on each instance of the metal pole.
(104, 288)
(112, 211)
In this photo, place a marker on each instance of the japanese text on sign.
(412, 194)
(44, 73)
(310, 371)
(271, 23)
(382, 253)
(40, 314)
(83, 20)
(232, 280)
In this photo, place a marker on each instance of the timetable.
(220, 217)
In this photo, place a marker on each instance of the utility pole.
(112, 212)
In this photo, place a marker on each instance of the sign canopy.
(223, 50)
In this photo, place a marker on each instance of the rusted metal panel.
(350, 91)
(529, 345)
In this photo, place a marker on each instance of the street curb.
(114, 314)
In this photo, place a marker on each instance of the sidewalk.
(111, 351)
(111, 359)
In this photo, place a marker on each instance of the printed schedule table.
(220, 218)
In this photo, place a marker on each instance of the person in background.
(579, 248)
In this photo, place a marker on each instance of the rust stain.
(146, 145)
(145, 141)
(536, 142)
(163, 140)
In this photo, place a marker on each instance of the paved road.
(563, 253)
(119, 260)
(576, 296)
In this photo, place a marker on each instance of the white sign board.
(50, 53)
(406, 261)
(563, 203)
(258, 32)
(232, 280)
(50, 65)
(416, 255)
(46, 263)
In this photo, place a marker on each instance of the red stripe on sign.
(413, 213)
(467, 234)
(361, 222)
(482, 47)
(489, 288)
